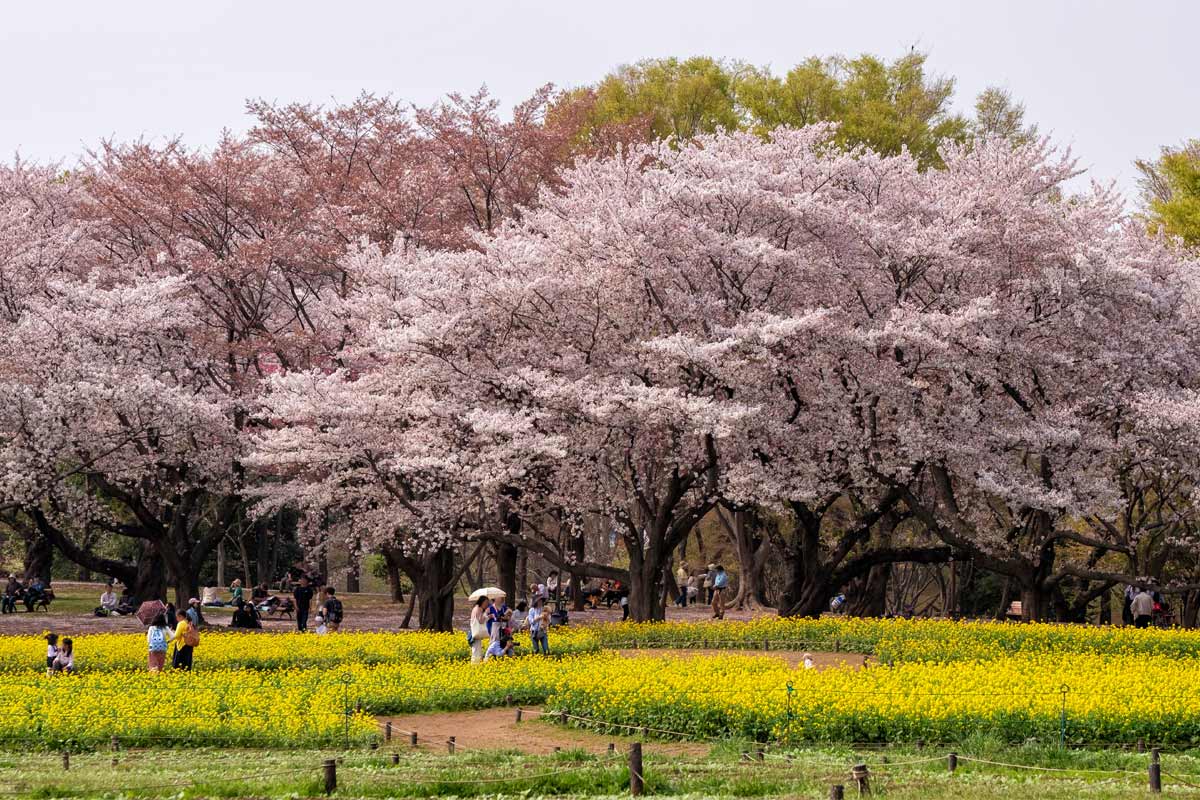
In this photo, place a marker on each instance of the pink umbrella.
(150, 609)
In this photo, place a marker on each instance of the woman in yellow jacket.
(186, 638)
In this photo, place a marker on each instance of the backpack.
(335, 610)
(158, 640)
(191, 637)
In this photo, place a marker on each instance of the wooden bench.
(1014, 611)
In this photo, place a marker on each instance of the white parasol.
(490, 592)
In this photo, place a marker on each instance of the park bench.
(283, 607)
(1014, 611)
(42, 603)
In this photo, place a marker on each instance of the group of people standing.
(714, 582)
(1141, 606)
(182, 639)
(493, 619)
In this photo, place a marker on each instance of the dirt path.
(497, 729)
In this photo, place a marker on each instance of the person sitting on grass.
(64, 662)
(126, 605)
(244, 617)
(108, 602)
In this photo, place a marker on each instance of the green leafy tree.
(1171, 191)
(888, 106)
(997, 114)
(675, 98)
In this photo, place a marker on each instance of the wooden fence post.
(395, 758)
(330, 767)
(518, 713)
(66, 759)
(837, 792)
(387, 731)
(952, 761)
(412, 738)
(863, 777)
(1155, 772)
(450, 745)
(635, 769)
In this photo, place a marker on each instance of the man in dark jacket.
(303, 594)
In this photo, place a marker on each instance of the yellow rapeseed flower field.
(934, 680)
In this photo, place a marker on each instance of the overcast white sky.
(1114, 80)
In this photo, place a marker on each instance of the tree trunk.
(751, 555)
(353, 565)
(150, 581)
(1034, 603)
(393, 573)
(522, 571)
(39, 557)
(433, 578)
(578, 549)
(646, 585)
(869, 599)
(806, 591)
(1105, 615)
(506, 570)
(408, 612)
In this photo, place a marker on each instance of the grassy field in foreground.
(232, 773)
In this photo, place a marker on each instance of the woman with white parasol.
(478, 628)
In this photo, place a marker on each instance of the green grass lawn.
(723, 773)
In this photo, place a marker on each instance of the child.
(157, 636)
(319, 619)
(64, 661)
(51, 651)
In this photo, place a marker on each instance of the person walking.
(303, 595)
(708, 584)
(681, 578)
(478, 629)
(186, 638)
(333, 610)
(538, 621)
(157, 637)
(1142, 608)
(720, 582)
